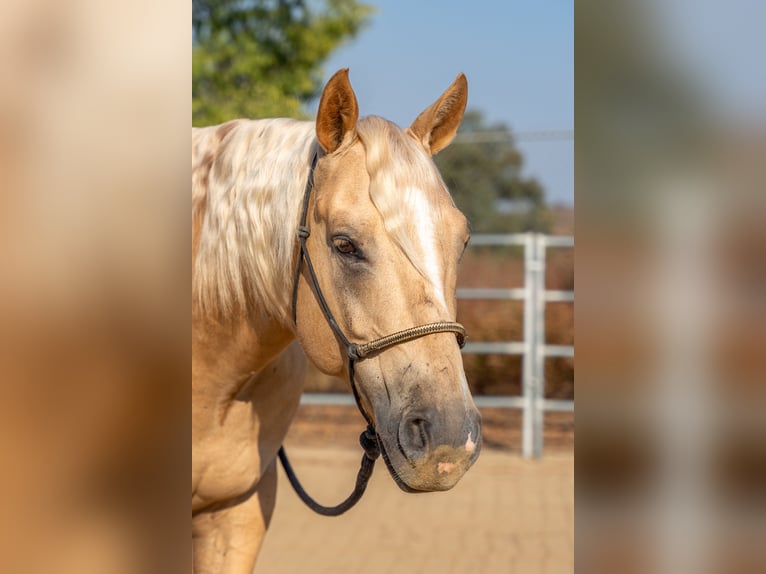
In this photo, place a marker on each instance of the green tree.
(482, 169)
(263, 58)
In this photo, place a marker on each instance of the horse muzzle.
(430, 450)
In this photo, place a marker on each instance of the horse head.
(385, 240)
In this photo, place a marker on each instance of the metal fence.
(533, 348)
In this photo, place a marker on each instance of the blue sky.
(717, 45)
(518, 57)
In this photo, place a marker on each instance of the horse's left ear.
(438, 124)
(338, 112)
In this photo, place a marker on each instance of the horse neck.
(228, 351)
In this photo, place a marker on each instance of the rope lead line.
(371, 452)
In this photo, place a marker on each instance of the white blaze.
(426, 231)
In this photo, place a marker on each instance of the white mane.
(248, 178)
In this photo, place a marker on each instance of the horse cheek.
(317, 339)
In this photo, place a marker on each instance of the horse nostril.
(415, 437)
(421, 425)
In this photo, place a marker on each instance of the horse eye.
(345, 246)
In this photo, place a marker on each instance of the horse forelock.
(247, 183)
(406, 189)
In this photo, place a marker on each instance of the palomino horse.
(365, 200)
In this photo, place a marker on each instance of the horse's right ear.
(338, 112)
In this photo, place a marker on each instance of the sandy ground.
(507, 515)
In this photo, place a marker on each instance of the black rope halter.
(355, 352)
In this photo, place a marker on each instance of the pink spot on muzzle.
(470, 446)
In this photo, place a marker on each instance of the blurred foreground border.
(94, 283)
(671, 350)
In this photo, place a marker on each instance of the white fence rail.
(533, 348)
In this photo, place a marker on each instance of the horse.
(362, 202)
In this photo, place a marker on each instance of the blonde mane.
(248, 179)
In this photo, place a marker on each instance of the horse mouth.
(392, 471)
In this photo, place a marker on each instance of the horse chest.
(225, 460)
(236, 437)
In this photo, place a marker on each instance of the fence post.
(528, 360)
(538, 379)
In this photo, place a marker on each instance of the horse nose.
(421, 432)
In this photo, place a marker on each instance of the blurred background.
(669, 105)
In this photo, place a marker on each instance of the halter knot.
(369, 441)
(353, 352)
(303, 231)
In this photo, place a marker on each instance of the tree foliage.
(263, 58)
(482, 169)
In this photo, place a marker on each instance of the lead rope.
(356, 352)
(369, 443)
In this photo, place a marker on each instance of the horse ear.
(338, 112)
(438, 124)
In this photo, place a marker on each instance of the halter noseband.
(356, 352)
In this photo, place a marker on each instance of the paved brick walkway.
(507, 515)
